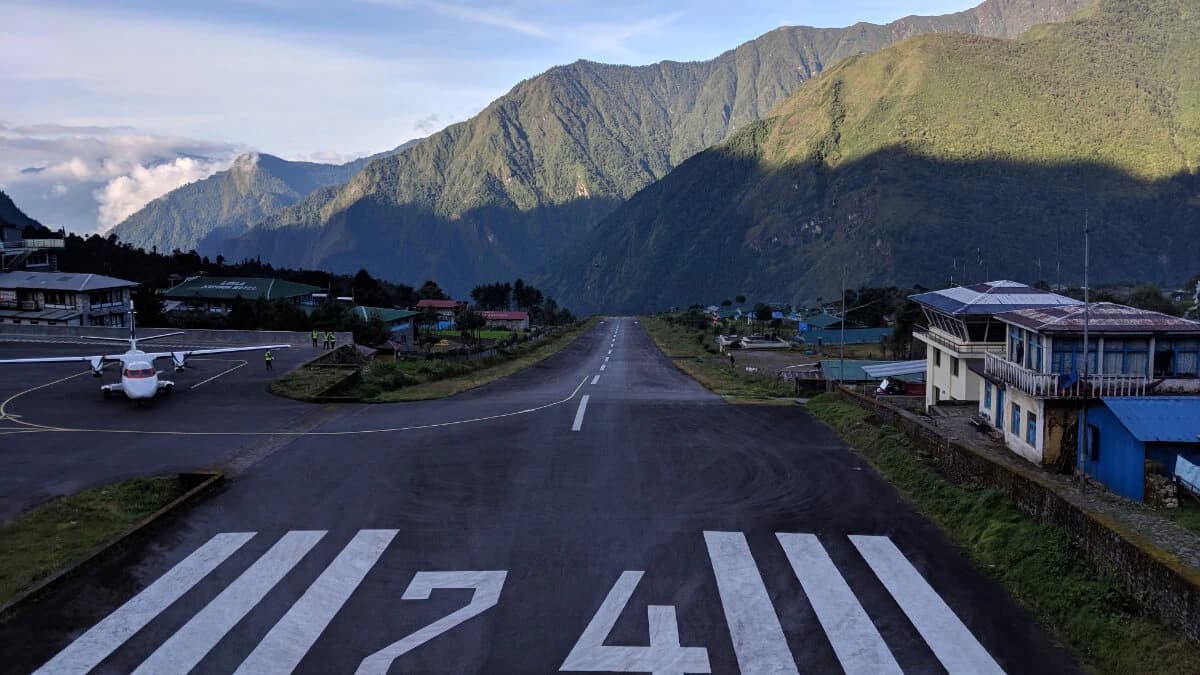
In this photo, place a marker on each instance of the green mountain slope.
(11, 215)
(943, 156)
(230, 201)
(496, 195)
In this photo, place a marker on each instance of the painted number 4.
(664, 656)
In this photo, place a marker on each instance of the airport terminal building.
(217, 294)
(63, 299)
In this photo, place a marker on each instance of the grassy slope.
(688, 354)
(1035, 561)
(491, 371)
(897, 162)
(60, 532)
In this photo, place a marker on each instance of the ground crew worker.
(316, 334)
(331, 339)
(269, 357)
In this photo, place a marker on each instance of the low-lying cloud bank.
(89, 178)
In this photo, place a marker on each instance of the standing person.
(730, 359)
(332, 340)
(315, 335)
(268, 357)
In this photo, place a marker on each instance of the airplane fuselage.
(139, 378)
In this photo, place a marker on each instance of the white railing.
(1051, 385)
(954, 344)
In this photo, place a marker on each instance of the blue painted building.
(1124, 432)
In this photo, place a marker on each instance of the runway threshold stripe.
(758, 640)
(603, 366)
(945, 634)
(101, 640)
(595, 379)
(579, 413)
(183, 650)
(855, 640)
(291, 638)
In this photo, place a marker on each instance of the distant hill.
(944, 156)
(499, 194)
(229, 202)
(12, 216)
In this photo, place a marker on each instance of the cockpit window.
(139, 372)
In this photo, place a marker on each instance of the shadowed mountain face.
(228, 202)
(938, 153)
(542, 164)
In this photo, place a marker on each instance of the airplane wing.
(95, 361)
(179, 356)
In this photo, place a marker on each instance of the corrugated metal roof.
(990, 298)
(897, 368)
(228, 288)
(62, 281)
(386, 314)
(1103, 317)
(438, 304)
(43, 315)
(830, 368)
(504, 316)
(1158, 419)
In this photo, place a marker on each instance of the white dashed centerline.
(603, 366)
(579, 413)
(595, 379)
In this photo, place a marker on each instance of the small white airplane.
(139, 379)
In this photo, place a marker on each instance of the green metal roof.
(228, 288)
(387, 314)
(831, 368)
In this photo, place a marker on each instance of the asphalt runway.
(599, 512)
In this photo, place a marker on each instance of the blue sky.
(150, 81)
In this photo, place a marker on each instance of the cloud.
(428, 124)
(87, 178)
(124, 195)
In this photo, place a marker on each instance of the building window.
(987, 395)
(937, 357)
(954, 366)
(1031, 428)
(1177, 358)
(1016, 420)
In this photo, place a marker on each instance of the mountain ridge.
(942, 155)
(574, 141)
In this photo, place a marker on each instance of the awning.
(897, 368)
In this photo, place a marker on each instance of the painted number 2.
(664, 656)
(487, 587)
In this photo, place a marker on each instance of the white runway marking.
(105, 637)
(610, 352)
(224, 372)
(945, 634)
(758, 640)
(607, 358)
(595, 379)
(487, 586)
(183, 650)
(603, 366)
(855, 640)
(579, 413)
(290, 639)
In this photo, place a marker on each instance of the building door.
(1000, 408)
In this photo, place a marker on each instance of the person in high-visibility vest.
(316, 334)
(268, 357)
(331, 340)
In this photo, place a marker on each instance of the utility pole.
(1083, 435)
(842, 365)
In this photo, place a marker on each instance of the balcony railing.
(1051, 385)
(952, 344)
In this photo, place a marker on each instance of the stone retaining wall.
(1164, 586)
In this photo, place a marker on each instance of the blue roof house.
(1124, 432)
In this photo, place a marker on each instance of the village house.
(1032, 389)
(507, 320)
(63, 299)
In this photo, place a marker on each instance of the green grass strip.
(686, 347)
(1081, 607)
(62, 531)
